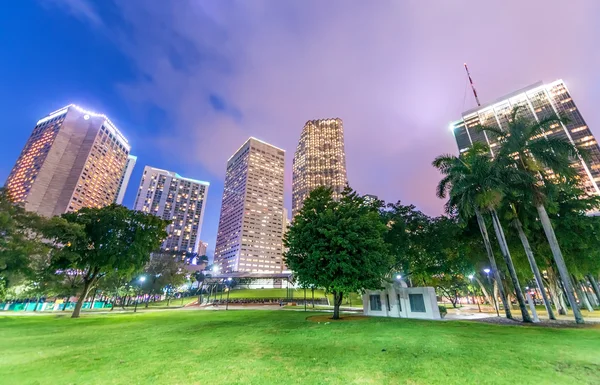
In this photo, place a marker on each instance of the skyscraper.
(73, 159)
(131, 159)
(181, 200)
(250, 225)
(536, 101)
(320, 160)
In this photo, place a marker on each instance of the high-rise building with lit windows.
(320, 160)
(181, 200)
(250, 232)
(131, 159)
(537, 101)
(73, 159)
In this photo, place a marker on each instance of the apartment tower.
(320, 160)
(536, 101)
(250, 232)
(181, 200)
(73, 159)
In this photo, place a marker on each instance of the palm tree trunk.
(556, 292)
(511, 268)
(583, 296)
(595, 287)
(534, 268)
(490, 253)
(484, 291)
(560, 262)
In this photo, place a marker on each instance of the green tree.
(472, 185)
(337, 245)
(163, 270)
(114, 238)
(525, 146)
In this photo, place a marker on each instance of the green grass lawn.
(281, 347)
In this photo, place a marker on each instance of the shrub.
(443, 310)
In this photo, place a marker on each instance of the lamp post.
(228, 290)
(141, 280)
(473, 295)
(487, 273)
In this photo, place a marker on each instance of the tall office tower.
(537, 102)
(250, 226)
(131, 159)
(73, 159)
(320, 160)
(181, 200)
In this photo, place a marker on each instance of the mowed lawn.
(282, 347)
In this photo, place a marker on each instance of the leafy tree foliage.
(114, 238)
(338, 245)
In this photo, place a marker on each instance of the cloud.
(392, 70)
(81, 9)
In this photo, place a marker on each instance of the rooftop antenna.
(472, 86)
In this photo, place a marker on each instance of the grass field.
(281, 347)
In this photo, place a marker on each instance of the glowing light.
(142, 278)
(398, 277)
(86, 117)
(486, 271)
(471, 276)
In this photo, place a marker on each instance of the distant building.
(202, 248)
(538, 101)
(320, 160)
(73, 159)
(181, 200)
(250, 225)
(131, 159)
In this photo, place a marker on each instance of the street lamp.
(228, 290)
(398, 277)
(487, 273)
(471, 276)
(141, 280)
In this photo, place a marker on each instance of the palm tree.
(468, 185)
(525, 146)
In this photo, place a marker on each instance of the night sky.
(187, 82)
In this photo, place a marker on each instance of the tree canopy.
(338, 245)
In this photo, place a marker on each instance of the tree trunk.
(560, 262)
(337, 302)
(147, 300)
(511, 268)
(485, 293)
(495, 272)
(37, 301)
(66, 303)
(87, 284)
(595, 287)
(534, 268)
(583, 296)
(112, 303)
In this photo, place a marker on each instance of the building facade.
(537, 101)
(181, 200)
(249, 237)
(320, 160)
(73, 159)
(131, 159)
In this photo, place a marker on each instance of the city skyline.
(537, 102)
(251, 222)
(173, 197)
(319, 160)
(188, 95)
(74, 158)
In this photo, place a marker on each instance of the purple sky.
(221, 71)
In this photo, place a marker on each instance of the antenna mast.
(472, 86)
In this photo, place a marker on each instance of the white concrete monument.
(399, 301)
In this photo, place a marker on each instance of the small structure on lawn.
(399, 301)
